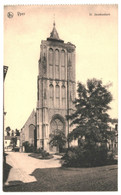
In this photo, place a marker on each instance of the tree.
(58, 139)
(12, 133)
(17, 132)
(8, 129)
(91, 126)
(91, 118)
(14, 142)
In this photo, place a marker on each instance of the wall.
(25, 133)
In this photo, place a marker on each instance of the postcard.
(60, 131)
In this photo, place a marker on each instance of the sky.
(95, 38)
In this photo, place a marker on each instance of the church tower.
(56, 88)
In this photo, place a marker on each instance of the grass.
(71, 179)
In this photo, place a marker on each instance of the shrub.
(42, 152)
(16, 149)
(72, 157)
(38, 150)
(87, 156)
(28, 147)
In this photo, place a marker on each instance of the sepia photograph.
(60, 98)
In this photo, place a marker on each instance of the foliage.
(12, 133)
(16, 149)
(42, 152)
(91, 119)
(8, 130)
(13, 142)
(29, 147)
(87, 157)
(17, 132)
(91, 123)
(58, 139)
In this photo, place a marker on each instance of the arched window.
(56, 125)
(51, 94)
(51, 63)
(31, 131)
(63, 71)
(57, 96)
(32, 135)
(63, 95)
(56, 64)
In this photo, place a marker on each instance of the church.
(56, 89)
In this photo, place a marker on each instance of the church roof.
(54, 35)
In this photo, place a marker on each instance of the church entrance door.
(56, 125)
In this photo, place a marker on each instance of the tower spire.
(54, 34)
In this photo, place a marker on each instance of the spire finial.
(54, 20)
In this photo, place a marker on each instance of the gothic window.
(51, 62)
(63, 70)
(45, 97)
(57, 96)
(51, 95)
(63, 95)
(56, 64)
(31, 131)
(56, 125)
